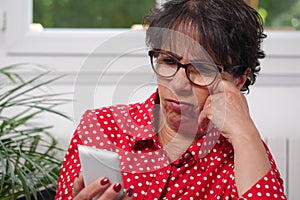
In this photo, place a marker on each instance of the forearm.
(251, 161)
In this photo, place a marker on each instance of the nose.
(180, 83)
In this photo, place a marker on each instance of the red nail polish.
(104, 181)
(129, 192)
(117, 187)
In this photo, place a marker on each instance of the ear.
(240, 81)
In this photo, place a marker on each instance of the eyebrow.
(169, 52)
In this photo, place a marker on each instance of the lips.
(179, 106)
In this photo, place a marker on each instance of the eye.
(166, 60)
(205, 68)
(169, 61)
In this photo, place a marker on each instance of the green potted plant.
(29, 164)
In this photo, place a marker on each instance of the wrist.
(247, 138)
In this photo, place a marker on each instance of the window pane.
(280, 14)
(90, 13)
(277, 14)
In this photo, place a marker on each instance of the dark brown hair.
(230, 30)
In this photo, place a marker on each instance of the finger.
(78, 185)
(203, 124)
(213, 113)
(128, 194)
(95, 188)
(112, 192)
(205, 116)
(223, 86)
(229, 93)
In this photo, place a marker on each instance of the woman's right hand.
(109, 191)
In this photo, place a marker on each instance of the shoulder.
(112, 122)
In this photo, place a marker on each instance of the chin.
(186, 125)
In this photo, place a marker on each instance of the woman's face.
(181, 101)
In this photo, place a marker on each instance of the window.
(20, 40)
(90, 13)
(278, 14)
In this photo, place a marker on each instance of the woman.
(194, 137)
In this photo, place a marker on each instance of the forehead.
(182, 41)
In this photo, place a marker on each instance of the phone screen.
(97, 163)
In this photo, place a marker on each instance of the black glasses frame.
(179, 65)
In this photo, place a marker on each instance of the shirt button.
(186, 155)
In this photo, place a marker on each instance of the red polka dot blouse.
(204, 171)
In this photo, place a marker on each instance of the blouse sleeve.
(69, 171)
(269, 186)
(71, 166)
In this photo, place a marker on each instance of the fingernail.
(129, 192)
(117, 187)
(104, 181)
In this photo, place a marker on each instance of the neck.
(175, 143)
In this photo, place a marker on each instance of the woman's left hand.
(227, 109)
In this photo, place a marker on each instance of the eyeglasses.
(166, 64)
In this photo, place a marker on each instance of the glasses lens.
(164, 64)
(202, 73)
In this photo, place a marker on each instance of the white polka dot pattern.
(204, 171)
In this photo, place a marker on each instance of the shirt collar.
(148, 141)
(202, 151)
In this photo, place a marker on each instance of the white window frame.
(20, 40)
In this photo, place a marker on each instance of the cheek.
(164, 88)
(163, 83)
(201, 95)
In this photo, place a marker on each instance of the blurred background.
(123, 14)
(98, 47)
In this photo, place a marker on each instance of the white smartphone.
(97, 163)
